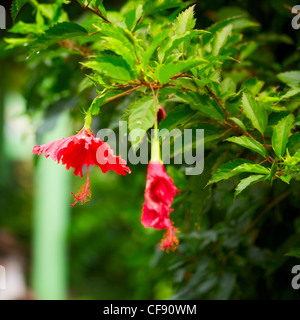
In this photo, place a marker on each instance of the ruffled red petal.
(159, 194)
(82, 150)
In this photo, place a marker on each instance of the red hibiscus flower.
(80, 150)
(159, 194)
(161, 113)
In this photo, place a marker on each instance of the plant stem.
(155, 146)
(219, 102)
(95, 11)
(124, 93)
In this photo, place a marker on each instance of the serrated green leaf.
(113, 67)
(133, 16)
(251, 168)
(119, 40)
(255, 112)
(286, 178)
(167, 71)
(176, 42)
(225, 172)
(290, 93)
(253, 85)
(220, 39)
(291, 78)
(247, 182)
(58, 32)
(16, 6)
(157, 41)
(281, 135)
(250, 144)
(118, 47)
(185, 21)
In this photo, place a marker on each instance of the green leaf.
(253, 85)
(217, 27)
(142, 114)
(119, 40)
(99, 5)
(25, 28)
(154, 6)
(220, 39)
(294, 143)
(291, 78)
(185, 21)
(178, 117)
(255, 112)
(273, 169)
(211, 110)
(225, 172)
(251, 168)
(290, 93)
(118, 47)
(175, 42)
(294, 251)
(157, 41)
(133, 16)
(167, 71)
(101, 100)
(16, 6)
(247, 182)
(16, 42)
(239, 123)
(227, 88)
(58, 32)
(113, 67)
(281, 135)
(227, 282)
(201, 103)
(286, 178)
(199, 195)
(250, 144)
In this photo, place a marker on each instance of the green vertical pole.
(51, 214)
(2, 171)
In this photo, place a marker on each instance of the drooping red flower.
(159, 194)
(80, 150)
